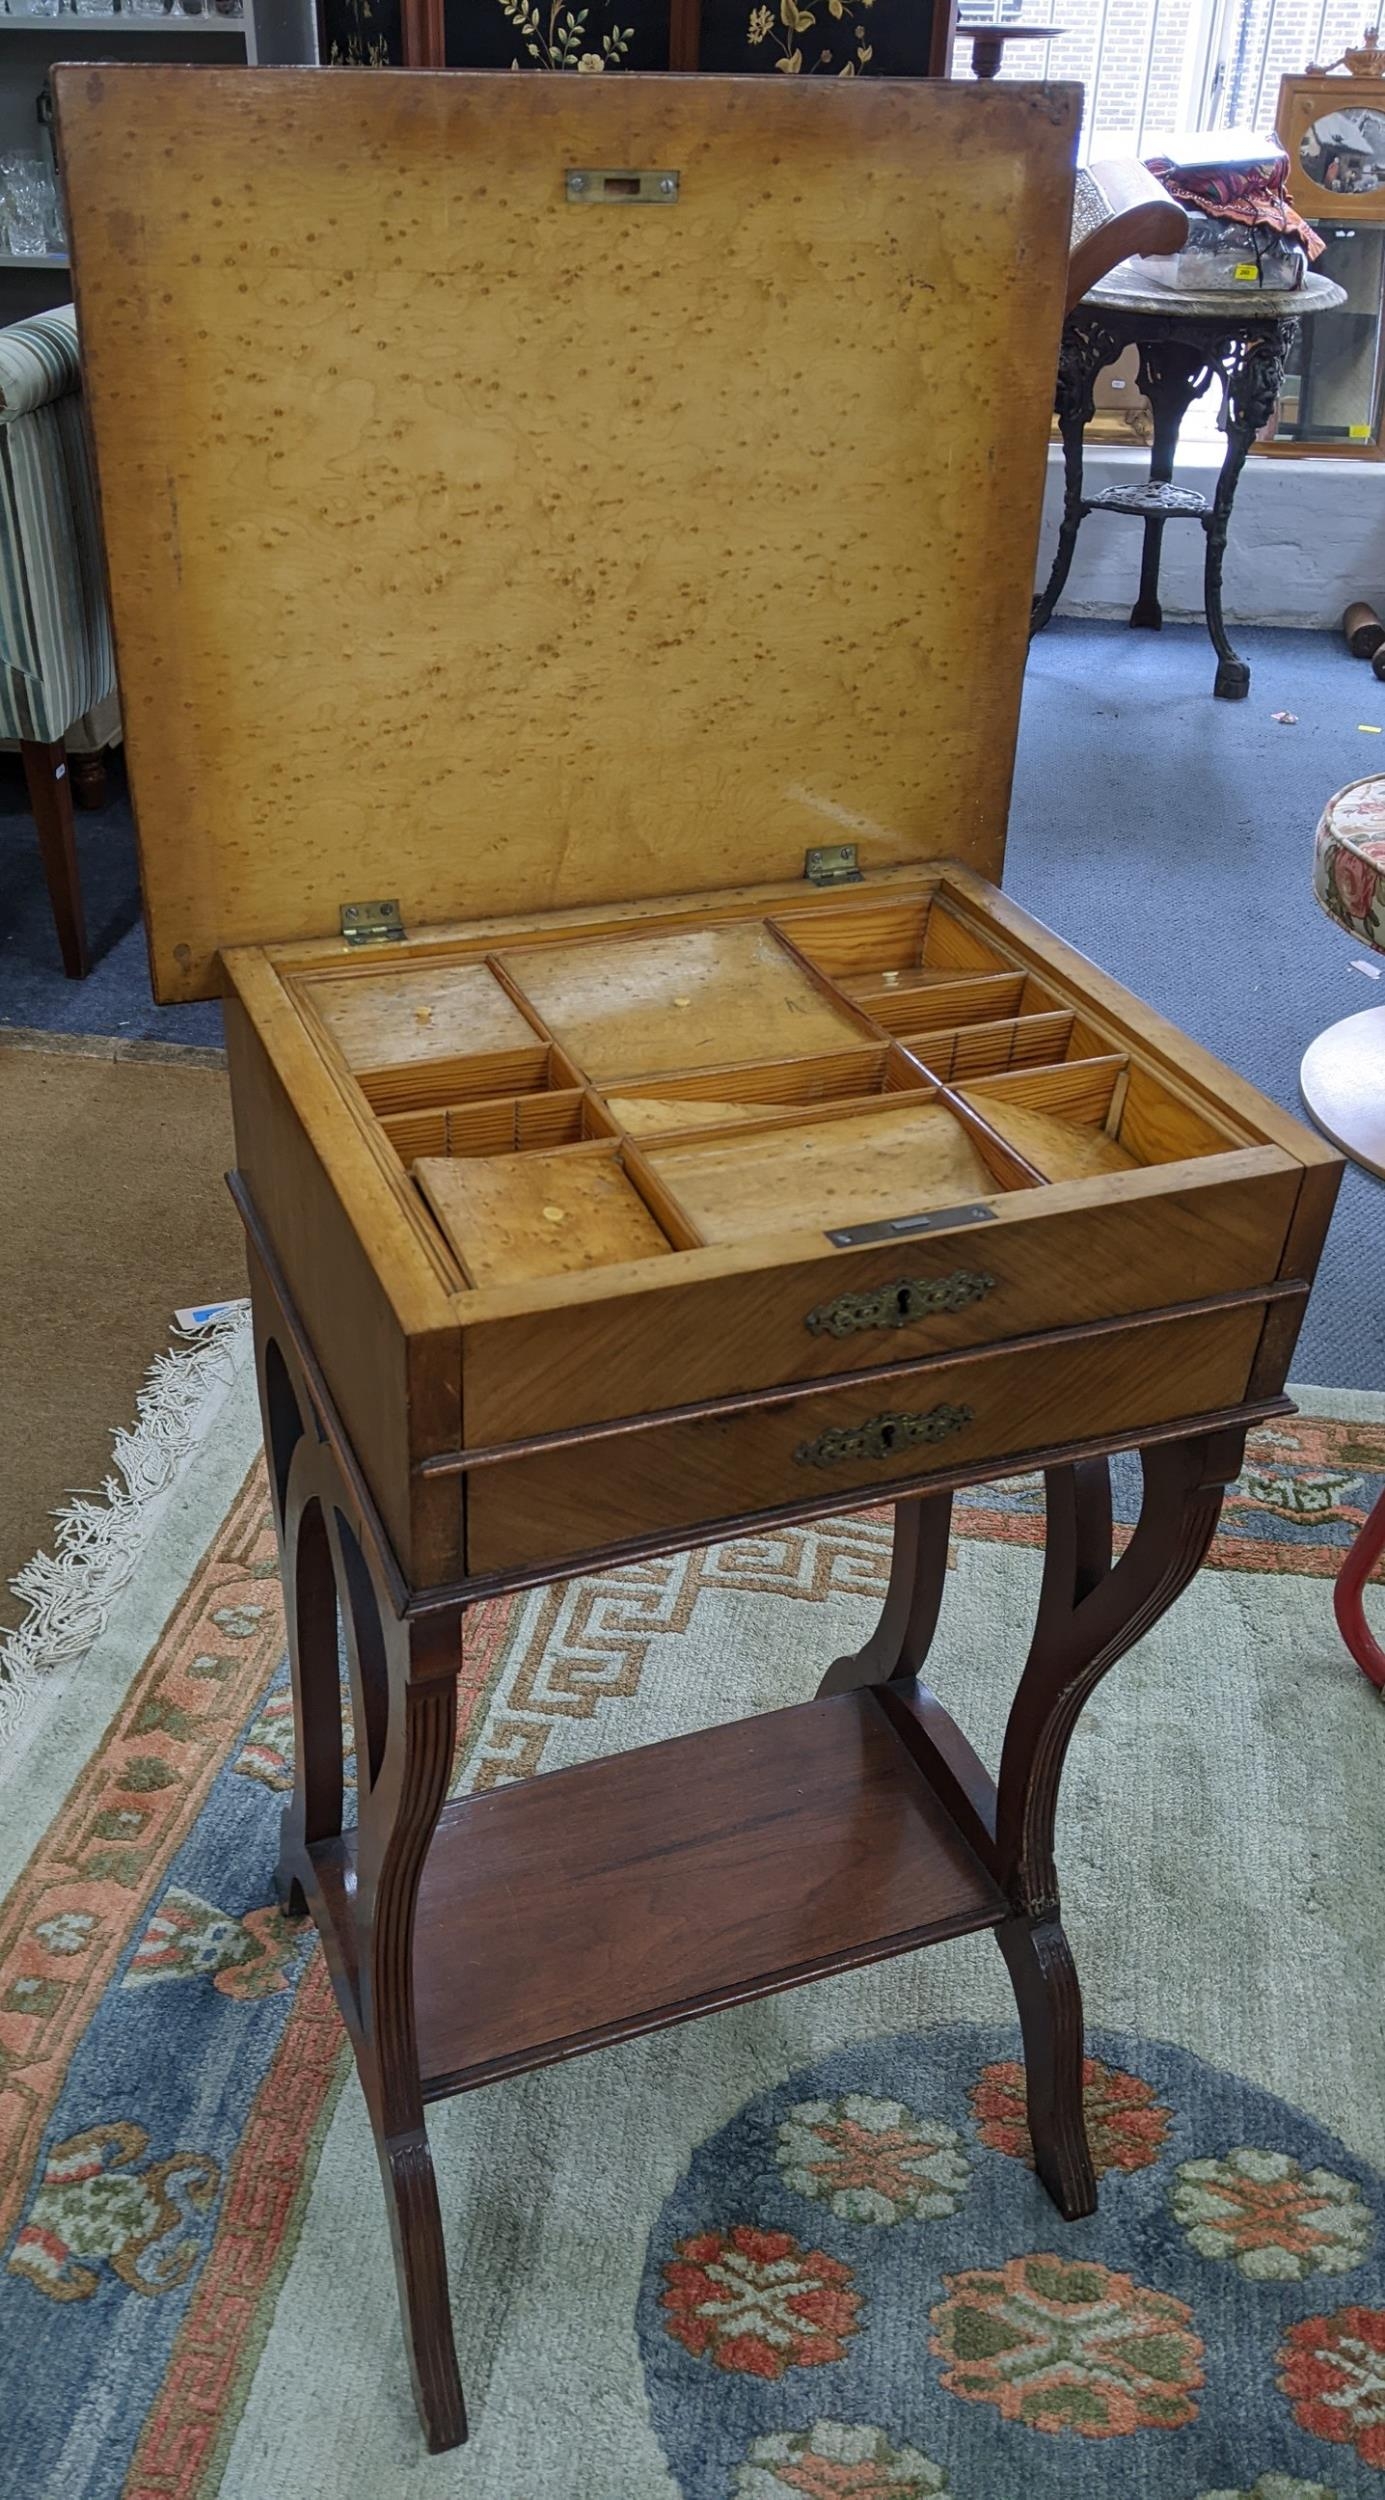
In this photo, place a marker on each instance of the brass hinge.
(371, 924)
(832, 863)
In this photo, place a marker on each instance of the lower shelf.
(592, 1904)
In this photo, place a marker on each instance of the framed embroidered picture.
(809, 38)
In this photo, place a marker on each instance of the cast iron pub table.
(1185, 343)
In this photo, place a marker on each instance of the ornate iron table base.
(519, 1927)
(1181, 353)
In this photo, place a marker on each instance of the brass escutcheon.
(894, 1306)
(881, 1436)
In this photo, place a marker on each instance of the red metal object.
(1348, 1597)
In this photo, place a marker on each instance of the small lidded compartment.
(529, 1215)
(417, 1011)
(417, 1034)
(695, 998)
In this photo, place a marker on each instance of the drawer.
(987, 1410)
(1032, 1264)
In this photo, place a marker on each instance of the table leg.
(403, 1681)
(901, 1640)
(308, 1576)
(1252, 397)
(1091, 1610)
(1171, 376)
(398, 1813)
(1087, 345)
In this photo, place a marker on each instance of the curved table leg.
(1087, 345)
(1091, 1611)
(1172, 375)
(1252, 397)
(398, 1815)
(900, 1642)
(314, 1811)
(403, 1686)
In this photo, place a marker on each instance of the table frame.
(817, 1811)
(1180, 355)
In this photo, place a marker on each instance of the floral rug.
(797, 2248)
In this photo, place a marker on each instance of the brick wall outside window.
(1145, 64)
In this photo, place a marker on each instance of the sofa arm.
(56, 660)
(38, 362)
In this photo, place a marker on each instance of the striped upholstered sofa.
(57, 666)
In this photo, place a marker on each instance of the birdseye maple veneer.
(599, 517)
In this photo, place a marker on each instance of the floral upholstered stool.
(1342, 1078)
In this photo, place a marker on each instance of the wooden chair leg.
(50, 796)
(89, 780)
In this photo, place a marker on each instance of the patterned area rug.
(795, 2249)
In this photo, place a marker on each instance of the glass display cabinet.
(1331, 401)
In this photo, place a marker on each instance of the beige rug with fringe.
(792, 2249)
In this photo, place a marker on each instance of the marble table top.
(1125, 290)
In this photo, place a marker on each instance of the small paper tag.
(1358, 433)
(201, 1314)
(1247, 272)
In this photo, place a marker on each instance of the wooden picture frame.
(1334, 131)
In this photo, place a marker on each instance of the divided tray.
(670, 1174)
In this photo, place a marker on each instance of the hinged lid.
(497, 547)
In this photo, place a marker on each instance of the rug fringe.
(100, 1538)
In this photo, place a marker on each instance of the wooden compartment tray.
(665, 1240)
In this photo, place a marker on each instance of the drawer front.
(991, 1409)
(669, 1345)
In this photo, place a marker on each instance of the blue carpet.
(116, 997)
(1168, 835)
(1171, 838)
